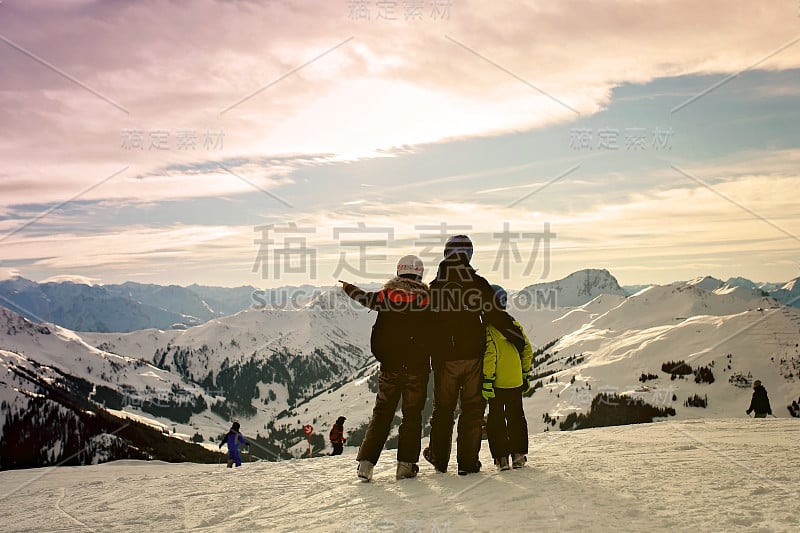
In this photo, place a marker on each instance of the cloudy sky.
(272, 143)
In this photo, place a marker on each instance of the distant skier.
(760, 402)
(233, 438)
(398, 342)
(336, 436)
(505, 380)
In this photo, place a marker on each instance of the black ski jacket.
(402, 327)
(462, 304)
(760, 402)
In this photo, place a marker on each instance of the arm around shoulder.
(527, 352)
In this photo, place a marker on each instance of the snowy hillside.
(262, 362)
(608, 343)
(576, 289)
(40, 347)
(740, 291)
(253, 366)
(789, 293)
(735, 339)
(700, 475)
(308, 362)
(52, 384)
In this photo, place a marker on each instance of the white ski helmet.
(410, 264)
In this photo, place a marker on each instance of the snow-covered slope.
(668, 304)
(742, 282)
(328, 324)
(253, 333)
(37, 346)
(252, 366)
(262, 362)
(277, 369)
(607, 344)
(789, 293)
(751, 338)
(741, 292)
(53, 383)
(575, 318)
(701, 475)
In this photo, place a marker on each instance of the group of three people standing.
(457, 325)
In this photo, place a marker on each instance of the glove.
(526, 382)
(488, 389)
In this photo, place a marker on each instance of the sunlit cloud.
(276, 108)
(392, 85)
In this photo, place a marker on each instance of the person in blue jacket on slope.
(233, 438)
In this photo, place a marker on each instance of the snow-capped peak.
(576, 289)
(707, 283)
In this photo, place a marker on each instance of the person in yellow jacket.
(506, 377)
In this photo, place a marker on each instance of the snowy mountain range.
(126, 307)
(609, 344)
(252, 365)
(135, 306)
(281, 366)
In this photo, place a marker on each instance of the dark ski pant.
(338, 448)
(234, 458)
(457, 382)
(506, 426)
(392, 386)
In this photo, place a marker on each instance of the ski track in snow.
(697, 475)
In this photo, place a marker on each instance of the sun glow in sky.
(157, 142)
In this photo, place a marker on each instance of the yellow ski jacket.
(502, 362)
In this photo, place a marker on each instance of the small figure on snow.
(233, 438)
(506, 378)
(398, 342)
(760, 402)
(337, 436)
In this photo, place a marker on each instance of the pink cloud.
(176, 66)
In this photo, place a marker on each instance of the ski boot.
(365, 470)
(463, 470)
(406, 470)
(518, 460)
(428, 455)
(502, 463)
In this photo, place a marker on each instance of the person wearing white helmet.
(398, 341)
